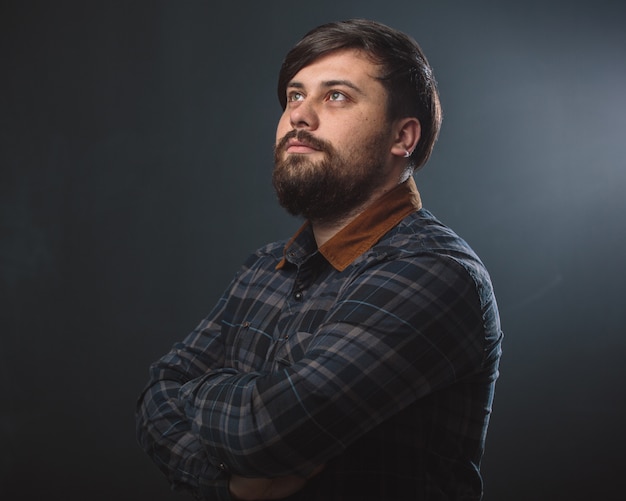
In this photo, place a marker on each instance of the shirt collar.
(367, 228)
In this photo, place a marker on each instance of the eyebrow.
(328, 83)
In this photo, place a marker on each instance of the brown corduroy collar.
(368, 227)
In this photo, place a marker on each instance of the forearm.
(233, 422)
(288, 422)
(163, 430)
(165, 435)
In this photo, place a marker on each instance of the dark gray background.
(135, 157)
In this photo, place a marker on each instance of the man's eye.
(295, 96)
(337, 96)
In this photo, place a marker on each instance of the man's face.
(333, 140)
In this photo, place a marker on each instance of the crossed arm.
(266, 433)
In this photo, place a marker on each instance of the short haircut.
(405, 72)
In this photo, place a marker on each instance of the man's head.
(404, 72)
(359, 100)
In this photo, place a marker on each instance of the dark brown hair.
(405, 72)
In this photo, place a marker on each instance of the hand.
(257, 489)
(253, 489)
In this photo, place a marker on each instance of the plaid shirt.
(375, 354)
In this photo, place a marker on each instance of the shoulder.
(423, 242)
(422, 233)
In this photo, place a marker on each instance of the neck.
(324, 230)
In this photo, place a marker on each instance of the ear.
(407, 135)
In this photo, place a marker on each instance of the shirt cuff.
(213, 485)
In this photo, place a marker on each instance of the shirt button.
(223, 467)
(298, 295)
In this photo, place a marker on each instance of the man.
(358, 360)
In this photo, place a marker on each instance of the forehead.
(345, 64)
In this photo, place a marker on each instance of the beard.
(329, 189)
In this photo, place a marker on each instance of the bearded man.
(358, 360)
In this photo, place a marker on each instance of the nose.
(304, 116)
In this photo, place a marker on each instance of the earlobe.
(407, 137)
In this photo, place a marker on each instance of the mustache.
(304, 137)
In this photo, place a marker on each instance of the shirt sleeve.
(163, 429)
(400, 331)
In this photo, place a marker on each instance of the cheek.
(353, 134)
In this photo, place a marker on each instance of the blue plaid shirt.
(375, 354)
